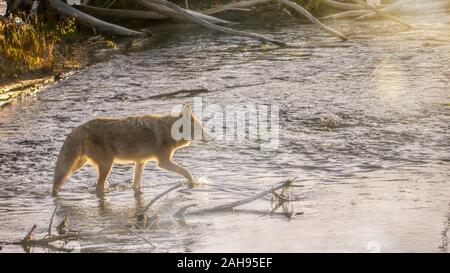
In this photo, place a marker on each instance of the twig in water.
(28, 237)
(51, 221)
(141, 216)
(61, 228)
(230, 206)
(142, 237)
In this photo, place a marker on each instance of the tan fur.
(104, 142)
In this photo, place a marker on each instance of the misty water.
(364, 125)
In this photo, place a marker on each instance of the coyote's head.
(188, 127)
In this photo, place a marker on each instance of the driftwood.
(220, 208)
(311, 18)
(162, 9)
(395, 7)
(383, 14)
(236, 5)
(232, 205)
(28, 240)
(340, 5)
(120, 13)
(47, 240)
(175, 14)
(281, 200)
(189, 16)
(345, 14)
(86, 19)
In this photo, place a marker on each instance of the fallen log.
(120, 13)
(340, 5)
(89, 20)
(236, 5)
(311, 18)
(169, 12)
(345, 14)
(395, 7)
(200, 21)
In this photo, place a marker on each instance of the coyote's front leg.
(137, 176)
(104, 168)
(168, 164)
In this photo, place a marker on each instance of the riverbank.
(34, 54)
(17, 85)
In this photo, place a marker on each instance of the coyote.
(103, 142)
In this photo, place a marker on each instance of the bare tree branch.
(383, 14)
(86, 19)
(174, 14)
(120, 13)
(311, 18)
(187, 15)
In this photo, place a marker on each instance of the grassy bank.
(34, 51)
(31, 46)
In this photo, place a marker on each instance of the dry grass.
(31, 45)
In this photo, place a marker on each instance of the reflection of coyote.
(135, 139)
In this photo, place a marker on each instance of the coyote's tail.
(69, 160)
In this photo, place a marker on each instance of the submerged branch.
(345, 14)
(340, 5)
(141, 215)
(230, 206)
